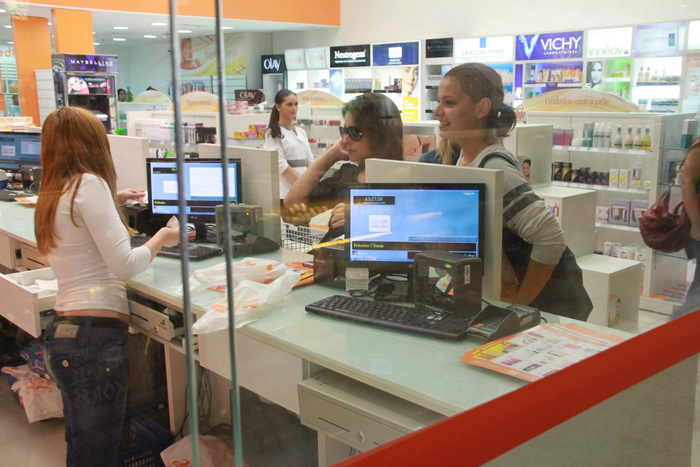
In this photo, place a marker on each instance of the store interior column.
(32, 41)
(72, 32)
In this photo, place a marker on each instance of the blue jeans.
(692, 299)
(87, 358)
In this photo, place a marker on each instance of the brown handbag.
(664, 230)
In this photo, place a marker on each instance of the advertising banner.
(549, 46)
(273, 64)
(694, 35)
(439, 48)
(579, 100)
(604, 43)
(396, 54)
(410, 109)
(659, 40)
(336, 83)
(350, 55)
(317, 59)
(484, 49)
(89, 63)
(294, 59)
(691, 84)
(199, 55)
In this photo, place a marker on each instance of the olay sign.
(252, 96)
(549, 46)
(273, 64)
(351, 55)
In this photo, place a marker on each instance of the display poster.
(294, 59)
(199, 102)
(694, 35)
(89, 63)
(272, 64)
(396, 54)
(690, 100)
(549, 46)
(336, 82)
(410, 109)
(317, 59)
(605, 43)
(659, 40)
(439, 48)
(350, 55)
(99, 84)
(415, 146)
(484, 49)
(554, 73)
(579, 100)
(198, 55)
(541, 351)
(319, 99)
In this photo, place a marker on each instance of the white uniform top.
(293, 151)
(92, 261)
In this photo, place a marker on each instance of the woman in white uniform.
(291, 142)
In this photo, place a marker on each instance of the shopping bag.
(212, 453)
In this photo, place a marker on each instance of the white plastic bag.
(254, 269)
(212, 453)
(249, 297)
(39, 396)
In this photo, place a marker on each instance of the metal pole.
(184, 239)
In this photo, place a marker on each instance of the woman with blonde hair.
(538, 269)
(80, 229)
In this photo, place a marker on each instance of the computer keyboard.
(194, 252)
(442, 325)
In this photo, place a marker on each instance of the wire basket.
(142, 441)
(300, 238)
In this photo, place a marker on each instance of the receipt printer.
(245, 218)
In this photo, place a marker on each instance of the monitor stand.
(396, 290)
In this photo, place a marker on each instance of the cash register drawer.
(23, 307)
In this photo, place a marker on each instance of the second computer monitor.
(204, 188)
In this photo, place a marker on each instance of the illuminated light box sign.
(89, 63)
(316, 58)
(579, 100)
(484, 50)
(694, 35)
(294, 59)
(273, 64)
(350, 56)
(396, 54)
(659, 40)
(604, 43)
(439, 48)
(549, 46)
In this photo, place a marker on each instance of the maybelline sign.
(91, 63)
(350, 55)
(273, 64)
(549, 46)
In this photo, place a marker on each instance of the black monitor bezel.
(203, 218)
(407, 266)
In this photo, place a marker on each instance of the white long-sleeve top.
(292, 151)
(92, 261)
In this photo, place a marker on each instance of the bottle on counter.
(646, 139)
(607, 140)
(637, 142)
(617, 142)
(629, 139)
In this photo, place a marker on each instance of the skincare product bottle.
(608, 136)
(646, 140)
(636, 176)
(618, 137)
(637, 142)
(655, 76)
(629, 140)
(647, 75)
(596, 135)
(640, 75)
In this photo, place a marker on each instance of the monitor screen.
(204, 188)
(392, 222)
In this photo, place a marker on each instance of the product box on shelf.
(614, 179)
(637, 209)
(601, 214)
(624, 178)
(619, 212)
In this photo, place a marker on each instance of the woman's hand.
(338, 151)
(337, 216)
(170, 236)
(129, 193)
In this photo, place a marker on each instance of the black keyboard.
(194, 252)
(7, 195)
(429, 323)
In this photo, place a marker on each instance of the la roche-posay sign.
(484, 50)
(549, 46)
(603, 43)
(659, 40)
(694, 35)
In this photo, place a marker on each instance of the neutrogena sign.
(549, 46)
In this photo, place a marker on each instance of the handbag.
(664, 230)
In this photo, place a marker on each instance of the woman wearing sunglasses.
(372, 129)
(292, 144)
(540, 271)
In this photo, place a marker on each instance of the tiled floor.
(41, 444)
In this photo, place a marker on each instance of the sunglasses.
(353, 132)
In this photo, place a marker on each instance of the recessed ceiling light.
(49, 23)
(11, 43)
(120, 27)
(96, 43)
(148, 36)
(159, 24)
(2, 11)
(118, 39)
(93, 32)
(8, 26)
(226, 27)
(181, 31)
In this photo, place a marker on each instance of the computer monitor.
(17, 150)
(389, 223)
(204, 188)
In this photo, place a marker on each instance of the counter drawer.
(21, 305)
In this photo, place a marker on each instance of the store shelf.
(657, 83)
(624, 228)
(552, 84)
(387, 91)
(618, 80)
(615, 189)
(357, 91)
(428, 111)
(602, 150)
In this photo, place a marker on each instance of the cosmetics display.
(601, 135)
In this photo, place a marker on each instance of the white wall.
(373, 21)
